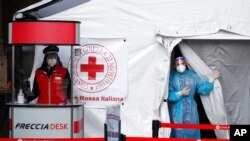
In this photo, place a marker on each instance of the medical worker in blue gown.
(183, 84)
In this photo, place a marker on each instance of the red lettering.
(65, 126)
(52, 126)
(59, 126)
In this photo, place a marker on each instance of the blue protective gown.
(183, 109)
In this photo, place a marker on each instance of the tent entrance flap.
(213, 103)
(231, 58)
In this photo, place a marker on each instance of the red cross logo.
(100, 74)
(91, 68)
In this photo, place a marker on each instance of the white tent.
(152, 29)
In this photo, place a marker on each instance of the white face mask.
(51, 62)
(181, 68)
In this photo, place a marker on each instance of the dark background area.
(7, 10)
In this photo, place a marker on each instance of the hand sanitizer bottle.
(20, 97)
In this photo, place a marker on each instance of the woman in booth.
(52, 84)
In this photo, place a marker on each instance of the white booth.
(48, 120)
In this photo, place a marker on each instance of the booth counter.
(46, 121)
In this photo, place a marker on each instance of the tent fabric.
(174, 18)
(149, 61)
(164, 118)
(193, 18)
(213, 103)
(231, 58)
(168, 44)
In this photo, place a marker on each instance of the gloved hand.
(185, 91)
(215, 74)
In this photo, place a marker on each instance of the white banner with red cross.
(99, 70)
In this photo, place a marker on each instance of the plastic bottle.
(20, 97)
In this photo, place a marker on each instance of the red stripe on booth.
(199, 126)
(10, 124)
(41, 32)
(78, 126)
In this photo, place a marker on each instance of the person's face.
(51, 56)
(180, 62)
(180, 65)
(51, 59)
